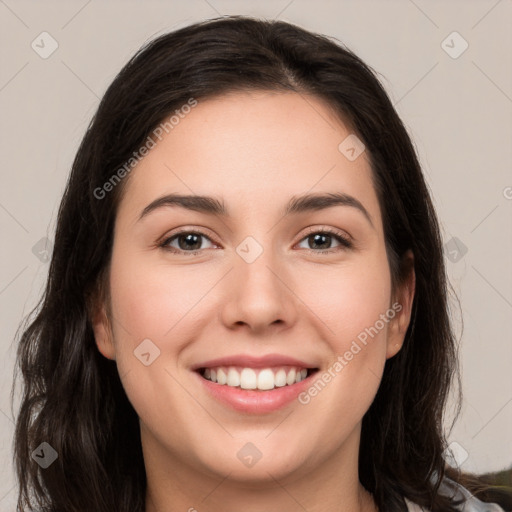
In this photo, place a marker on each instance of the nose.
(259, 295)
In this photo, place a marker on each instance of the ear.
(402, 304)
(102, 327)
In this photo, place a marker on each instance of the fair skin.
(253, 151)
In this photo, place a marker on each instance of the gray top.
(451, 488)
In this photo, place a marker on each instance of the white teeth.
(280, 378)
(221, 376)
(233, 378)
(248, 378)
(301, 375)
(266, 379)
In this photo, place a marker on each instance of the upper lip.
(247, 361)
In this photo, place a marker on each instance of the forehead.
(253, 149)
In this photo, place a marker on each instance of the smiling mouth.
(259, 379)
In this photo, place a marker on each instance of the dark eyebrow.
(297, 204)
(202, 204)
(311, 202)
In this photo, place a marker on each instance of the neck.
(228, 498)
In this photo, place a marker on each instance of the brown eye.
(321, 241)
(187, 242)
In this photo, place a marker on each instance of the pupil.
(320, 236)
(189, 238)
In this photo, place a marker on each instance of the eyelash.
(343, 240)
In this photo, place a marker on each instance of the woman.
(246, 306)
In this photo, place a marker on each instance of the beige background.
(458, 111)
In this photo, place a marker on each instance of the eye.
(189, 242)
(325, 237)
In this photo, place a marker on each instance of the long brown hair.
(72, 396)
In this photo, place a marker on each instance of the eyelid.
(326, 229)
(187, 229)
(346, 240)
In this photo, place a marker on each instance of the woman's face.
(255, 294)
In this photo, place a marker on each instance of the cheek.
(153, 300)
(161, 303)
(355, 313)
(151, 307)
(350, 300)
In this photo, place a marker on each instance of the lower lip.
(254, 401)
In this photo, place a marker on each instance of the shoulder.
(458, 492)
(412, 507)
